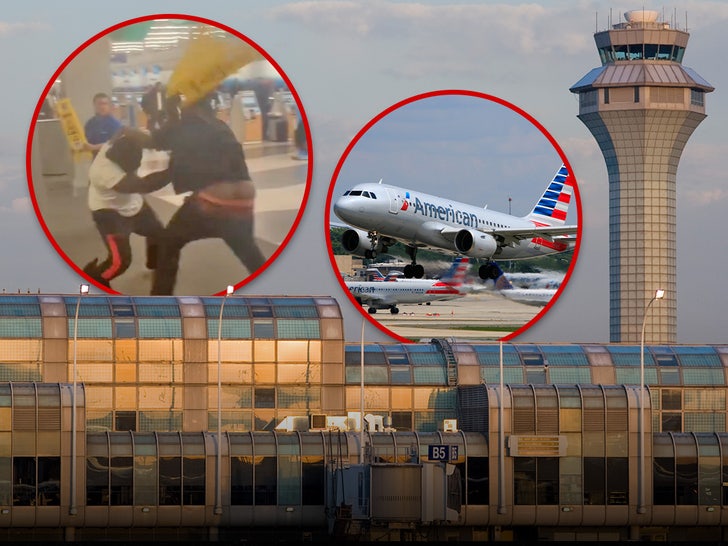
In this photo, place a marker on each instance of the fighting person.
(117, 206)
(207, 160)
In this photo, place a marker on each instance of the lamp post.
(72, 509)
(659, 294)
(501, 438)
(361, 394)
(218, 496)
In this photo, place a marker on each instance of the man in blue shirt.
(102, 126)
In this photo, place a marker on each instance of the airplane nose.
(347, 208)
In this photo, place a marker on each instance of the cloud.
(11, 172)
(525, 28)
(7, 28)
(21, 204)
(707, 196)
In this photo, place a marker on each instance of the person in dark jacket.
(154, 106)
(207, 160)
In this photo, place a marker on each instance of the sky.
(467, 148)
(349, 61)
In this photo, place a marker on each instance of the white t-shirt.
(104, 174)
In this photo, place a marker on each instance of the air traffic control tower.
(642, 105)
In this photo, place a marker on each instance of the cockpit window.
(354, 193)
(365, 194)
(372, 194)
(346, 193)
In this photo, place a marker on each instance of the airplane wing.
(512, 236)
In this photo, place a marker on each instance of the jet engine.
(357, 242)
(475, 244)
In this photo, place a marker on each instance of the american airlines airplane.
(529, 296)
(382, 215)
(381, 294)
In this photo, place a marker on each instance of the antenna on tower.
(686, 20)
(596, 21)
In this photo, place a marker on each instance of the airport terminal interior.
(161, 382)
(60, 178)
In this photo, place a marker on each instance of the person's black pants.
(195, 220)
(115, 230)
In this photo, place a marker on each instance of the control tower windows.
(638, 52)
(697, 97)
(605, 54)
(621, 53)
(664, 52)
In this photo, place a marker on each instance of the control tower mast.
(642, 105)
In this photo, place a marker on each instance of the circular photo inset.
(169, 156)
(453, 214)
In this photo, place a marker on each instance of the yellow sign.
(537, 446)
(72, 128)
(206, 63)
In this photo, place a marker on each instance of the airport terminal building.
(552, 448)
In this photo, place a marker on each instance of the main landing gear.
(393, 309)
(414, 269)
(489, 271)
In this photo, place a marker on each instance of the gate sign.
(442, 453)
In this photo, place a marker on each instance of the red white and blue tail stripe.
(455, 276)
(553, 206)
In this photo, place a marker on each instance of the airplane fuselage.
(423, 220)
(382, 295)
(530, 296)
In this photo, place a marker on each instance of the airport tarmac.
(206, 266)
(484, 315)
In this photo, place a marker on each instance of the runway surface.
(484, 315)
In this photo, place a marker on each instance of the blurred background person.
(154, 106)
(102, 126)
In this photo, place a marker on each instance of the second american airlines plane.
(387, 294)
(382, 215)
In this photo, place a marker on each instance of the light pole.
(659, 294)
(501, 438)
(361, 395)
(218, 495)
(73, 510)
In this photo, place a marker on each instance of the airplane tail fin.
(373, 274)
(502, 282)
(455, 276)
(551, 209)
(393, 275)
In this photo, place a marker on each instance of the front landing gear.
(371, 252)
(375, 242)
(414, 269)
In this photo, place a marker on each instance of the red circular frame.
(72, 56)
(362, 132)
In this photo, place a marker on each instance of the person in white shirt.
(118, 207)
